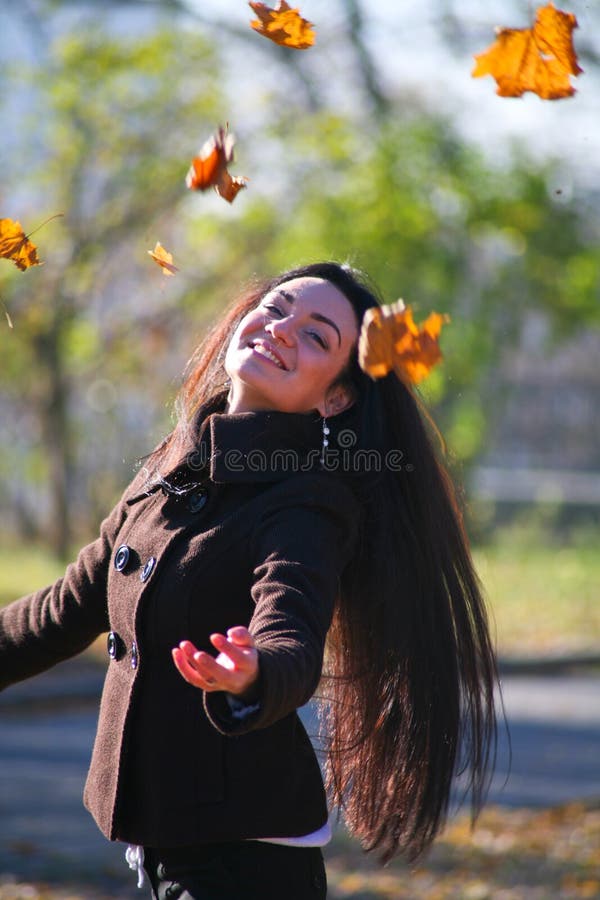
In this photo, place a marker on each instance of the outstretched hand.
(235, 669)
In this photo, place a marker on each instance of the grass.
(543, 592)
(24, 568)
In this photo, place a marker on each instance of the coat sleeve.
(300, 551)
(59, 621)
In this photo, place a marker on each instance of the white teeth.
(265, 352)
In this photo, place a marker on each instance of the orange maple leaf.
(540, 59)
(164, 259)
(209, 168)
(283, 25)
(390, 340)
(15, 245)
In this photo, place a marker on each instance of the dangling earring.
(325, 441)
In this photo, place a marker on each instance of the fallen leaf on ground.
(511, 853)
(164, 259)
(16, 246)
(209, 168)
(390, 340)
(283, 25)
(540, 59)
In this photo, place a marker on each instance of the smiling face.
(286, 353)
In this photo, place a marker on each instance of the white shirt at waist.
(317, 838)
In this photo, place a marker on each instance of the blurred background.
(376, 147)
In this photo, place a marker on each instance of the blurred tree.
(110, 122)
(425, 215)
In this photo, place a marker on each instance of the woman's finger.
(186, 669)
(188, 649)
(241, 636)
(199, 663)
(241, 655)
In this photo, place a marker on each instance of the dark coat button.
(134, 655)
(121, 557)
(148, 569)
(112, 645)
(197, 500)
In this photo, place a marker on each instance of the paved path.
(554, 728)
(46, 739)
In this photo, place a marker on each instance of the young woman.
(296, 513)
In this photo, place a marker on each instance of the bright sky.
(404, 37)
(412, 58)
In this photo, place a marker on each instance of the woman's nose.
(281, 329)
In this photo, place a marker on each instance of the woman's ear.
(336, 400)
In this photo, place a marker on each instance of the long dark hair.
(408, 687)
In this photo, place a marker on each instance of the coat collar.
(265, 446)
(262, 446)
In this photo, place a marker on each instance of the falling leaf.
(390, 340)
(15, 245)
(283, 25)
(229, 185)
(164, 259)
(540, 59)
(209, 168)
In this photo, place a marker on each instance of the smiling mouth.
(268, 354)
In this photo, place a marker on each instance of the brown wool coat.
(254, 542)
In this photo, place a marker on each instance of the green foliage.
(118, 118)
(111, 121)
(430, 221)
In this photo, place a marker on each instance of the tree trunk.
(364, 59)
(53, 404)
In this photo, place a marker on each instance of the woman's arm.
(59, 621)
(300, 552)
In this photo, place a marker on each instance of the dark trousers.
(237, 870)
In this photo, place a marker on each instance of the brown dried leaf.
(164, 259)
(16, 246)
(283, 25)
(390, 340)
(540, 59)
(209, 168)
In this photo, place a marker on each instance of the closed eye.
(320, 340)
(315, 335)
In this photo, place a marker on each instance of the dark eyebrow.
(318, 317)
